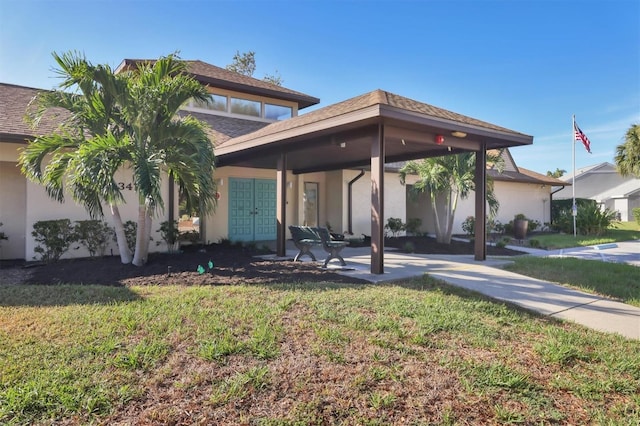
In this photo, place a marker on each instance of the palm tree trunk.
(434, 205)
(121, 238)
(139, 257)
(453, 204)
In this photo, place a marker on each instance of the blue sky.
(524, 65)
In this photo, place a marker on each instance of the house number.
(123, 185)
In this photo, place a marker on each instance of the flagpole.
(574, 208)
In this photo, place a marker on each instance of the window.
(245, 107)
(310, 200)
(216, 103)
(241, 106)
(277, 112)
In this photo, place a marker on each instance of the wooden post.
(480, 247)
(281, 205)
(377, 203)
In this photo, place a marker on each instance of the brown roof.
(526, 176)
(222, 128)
(14, 101)
(225, 79)
(375, 98)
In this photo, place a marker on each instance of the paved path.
(624, 252)
(490, 279)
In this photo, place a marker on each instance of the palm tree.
(447, 180)
(628, 154)
(120, 121)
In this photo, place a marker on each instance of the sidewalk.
(488, 278)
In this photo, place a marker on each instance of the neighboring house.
(602, 183)
(277, 168)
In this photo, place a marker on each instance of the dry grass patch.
(412, 353)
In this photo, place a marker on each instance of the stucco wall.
(394, 201)
(12, 207)
(532, 200)
(40, 207)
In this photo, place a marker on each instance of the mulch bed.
(231, 265)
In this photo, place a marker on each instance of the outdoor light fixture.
(343, 144)
(220, 182)
(459, 134)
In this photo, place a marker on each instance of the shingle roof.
(223, 78)
(526, 176)
(222, 128)
(376, 97)
(15, 100)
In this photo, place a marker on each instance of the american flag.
(580, 136)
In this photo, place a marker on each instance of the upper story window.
(277, 112)
(245, 107)
(233, 105)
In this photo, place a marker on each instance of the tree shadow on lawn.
(64, 295)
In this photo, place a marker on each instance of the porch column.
(377, 203)
(281, 205)
(480, 248)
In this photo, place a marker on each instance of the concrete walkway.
(490, 279)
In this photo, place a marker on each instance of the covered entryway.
(252, 209)
(369, 131)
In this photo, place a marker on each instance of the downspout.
(350, 199)
(551, 203)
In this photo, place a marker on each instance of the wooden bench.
(306, 237)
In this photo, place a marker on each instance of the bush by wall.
(636, 214)
(94, 235)
(54, 237)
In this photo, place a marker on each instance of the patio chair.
(304, 238)
(331, 246)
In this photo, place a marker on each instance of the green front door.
(252, 209)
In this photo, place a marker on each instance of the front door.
(252, 209)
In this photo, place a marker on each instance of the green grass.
(621, 231)
(416, 352)
(617, 280)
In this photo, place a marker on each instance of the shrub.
(224, 241)
(395, 225)
(590, 219)
(169, 234)
(3, 236)
(408, 247)
(192, 237)
(413, 225)
(502, 243)
(130, 229)
(534, 243)
(636, 214)
(469, 225)
(54, 237)
(94, 235)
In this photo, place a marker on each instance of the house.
(602, 183)
(277, 167)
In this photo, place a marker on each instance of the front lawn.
(620, 231)
(417, 352)
(616, 280)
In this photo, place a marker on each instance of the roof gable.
(224, 79)
(372, 99)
